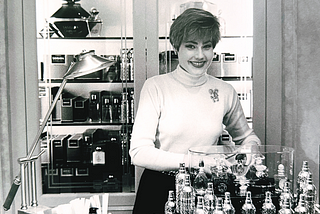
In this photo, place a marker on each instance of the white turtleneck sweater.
(176, 112)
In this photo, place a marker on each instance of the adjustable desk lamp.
(86, 63)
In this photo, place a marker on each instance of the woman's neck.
(188, 79)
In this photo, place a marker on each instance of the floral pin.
(214, 95)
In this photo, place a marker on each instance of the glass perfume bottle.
(170, 205)
(302, 177)
(280, 179)
(311, 194)
(286, 193)
(222, 178)
(218, 209)
(199, 207)
(301, 208)
(268, 207)
(209, 199)
(248, 207)
(286, 207)
(227, 204)
(179, 184)
(187, 197)
(201, 180)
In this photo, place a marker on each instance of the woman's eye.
(190, 46)
(207, 47)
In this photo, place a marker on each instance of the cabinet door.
(87, 137)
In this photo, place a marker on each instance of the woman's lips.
(197, 64)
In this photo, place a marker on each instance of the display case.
(87, 136)
(242, 169)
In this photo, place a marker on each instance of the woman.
(183, 109)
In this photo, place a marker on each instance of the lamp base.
(36, 210)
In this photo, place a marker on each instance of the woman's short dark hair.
(193, 24)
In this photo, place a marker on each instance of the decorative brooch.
(214, 95)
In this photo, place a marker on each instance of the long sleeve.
(236, 123)
(143, 150)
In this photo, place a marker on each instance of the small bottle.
(248, 207)
(268, 207)
(280, 179)
(286, 193)
(209, 199)
(218, 209)
(311, 194)
(286, 207)
(179, 184)
(227, 205)
(170, 205)
(201, 180)
(302, 177)
(302, 206)
(200, 207)
(187, 197)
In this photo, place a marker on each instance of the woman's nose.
(199, 53)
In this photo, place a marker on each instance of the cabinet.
(87, 137)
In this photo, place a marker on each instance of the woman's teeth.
(198, 64)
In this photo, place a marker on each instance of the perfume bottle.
(268, 207)
(187, 197)
(218, 209)
(223, 180)
(286, 207)
(227, 205)
(302, 206)
(209, 199)
(286, 193)
(179, 184)
(280, 179)
(170, 205)
(248, 207)
(311, 194)
(201, 180)
(261, 170)
(199, 207)
(302, 177)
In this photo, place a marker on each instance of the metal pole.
(23, 186)
(34, 201)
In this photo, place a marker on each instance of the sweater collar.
(188, 79)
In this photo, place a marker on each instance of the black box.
(67, 108)
(80, 109)
(89, 136)
(106, 107)
(74, 147)
(59, 152)
(95, 106)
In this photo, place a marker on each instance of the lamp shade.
(86, 63)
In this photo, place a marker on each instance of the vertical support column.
(23, 186)
(34, 200)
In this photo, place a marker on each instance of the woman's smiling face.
(195, 56)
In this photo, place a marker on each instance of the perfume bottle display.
(278, 201)
(236, 172)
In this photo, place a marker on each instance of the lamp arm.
(46, 118)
